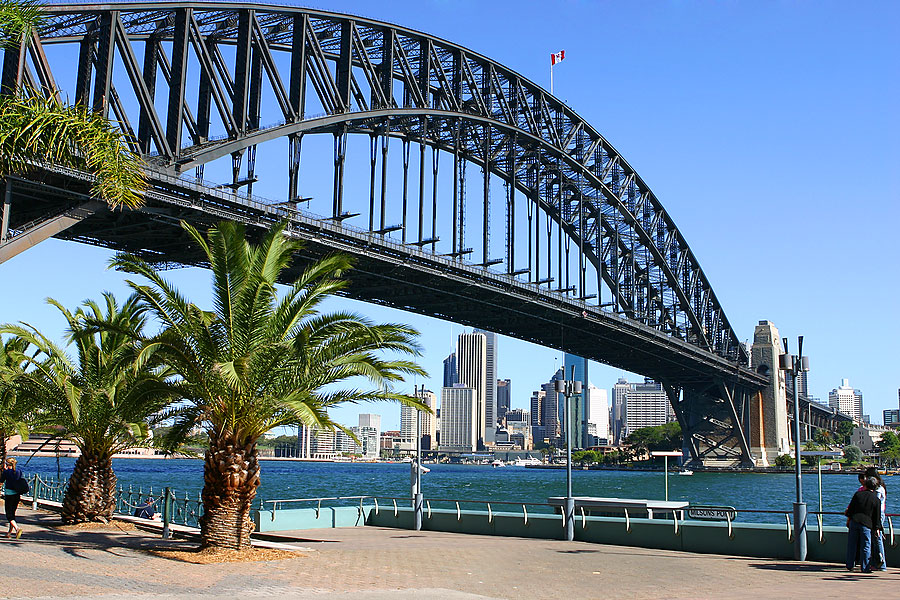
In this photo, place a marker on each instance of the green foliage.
(852, 454)
(823, 437)
(258, 361)
(106, 396)
(16, 411)
(37, 128)
(585, 457)
(281, 440)
(888, 441)
(660, 437)
(845, 430)
(784, 461)
(18, 18)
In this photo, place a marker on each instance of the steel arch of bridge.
(382, 81)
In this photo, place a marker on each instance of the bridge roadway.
(399, 275)
(371, 563)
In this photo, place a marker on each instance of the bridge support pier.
(769, 435)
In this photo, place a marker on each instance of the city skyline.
(708, 105)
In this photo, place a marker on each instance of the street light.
(568, 388)
(416, 474)
(795, 364)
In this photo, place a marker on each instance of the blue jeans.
(859, 536)
(878, 548)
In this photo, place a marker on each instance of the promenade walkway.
(368, 563)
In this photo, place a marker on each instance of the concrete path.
(368, 563)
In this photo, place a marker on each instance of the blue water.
(288, 479)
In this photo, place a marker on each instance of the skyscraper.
(427, 423)
(451, 374)
(459, 419)
(551, 408)
(369, 433)
(472, 361)
(503, 391)
(490, 392)
(646, 405)
(578, 404)
(619, 392)
(537, 411)
(847, 400)
(598, 413)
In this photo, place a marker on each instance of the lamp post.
(417, 468)
(569, 388)
(795, 364)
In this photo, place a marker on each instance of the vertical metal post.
(167, 513)
(373, 161)
(799, 505)
(417, 498)
(384, 161)
(570, 502)
(666, 471)
(7, 205)
(405, 187)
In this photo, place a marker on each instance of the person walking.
(879, 560)
(863, 517)
(14, 485)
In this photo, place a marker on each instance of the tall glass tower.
(579, 415)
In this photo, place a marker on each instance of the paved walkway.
(369, 563)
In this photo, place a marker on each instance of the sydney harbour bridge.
(463, 190)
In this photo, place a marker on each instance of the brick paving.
(369, 563)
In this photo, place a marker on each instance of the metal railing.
(172, 509)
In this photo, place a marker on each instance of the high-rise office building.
(503, 398)
(459, 419)
(551, 409)
(576, 369)
(536, 413)
(451, 374)
(472, 362)
(427, 423)
(646, 405)
(802, 384)
(370, 427)
(847, 400)
(619, 391)
(598, 411)
(490, 392)
(891, 417)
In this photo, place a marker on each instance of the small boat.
(498, 463)
(685, 472)
(526, 462)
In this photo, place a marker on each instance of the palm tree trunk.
(4, 439)
(230, 479)
(91, 493)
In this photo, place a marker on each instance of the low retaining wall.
(311, 518)
(759, 540)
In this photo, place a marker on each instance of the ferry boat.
(526, 462)
(498, 463)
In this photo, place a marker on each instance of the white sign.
(712, 513)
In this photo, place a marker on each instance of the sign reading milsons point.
(712, 513)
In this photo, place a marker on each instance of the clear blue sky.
(768, 130)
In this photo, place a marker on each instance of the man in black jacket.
(864, 520)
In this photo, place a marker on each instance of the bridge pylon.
(769, 433)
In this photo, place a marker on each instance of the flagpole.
(551, 77)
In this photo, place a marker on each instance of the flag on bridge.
(557, 57)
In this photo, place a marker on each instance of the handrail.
(790, 534)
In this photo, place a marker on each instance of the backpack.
(20, 486)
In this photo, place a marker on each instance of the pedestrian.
(14, 485)
(145, 510)
(863, 517)
(879, 560)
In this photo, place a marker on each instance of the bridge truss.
(553, 238)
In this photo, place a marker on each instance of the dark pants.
(859, 536)
(11, 503)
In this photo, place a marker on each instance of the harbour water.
(292, 479)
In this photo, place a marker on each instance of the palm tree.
(104, 400)
(15, 411)
(37, 128)
(259, 361)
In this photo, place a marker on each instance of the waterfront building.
(427, 423)
(503, 398)
(576, 369)
(866, 437)
(451, 374)
(370, 427)
(459, 419)
(646, 405)
(598, 415)
(847, 400)
(472, 361)
(390, 442)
